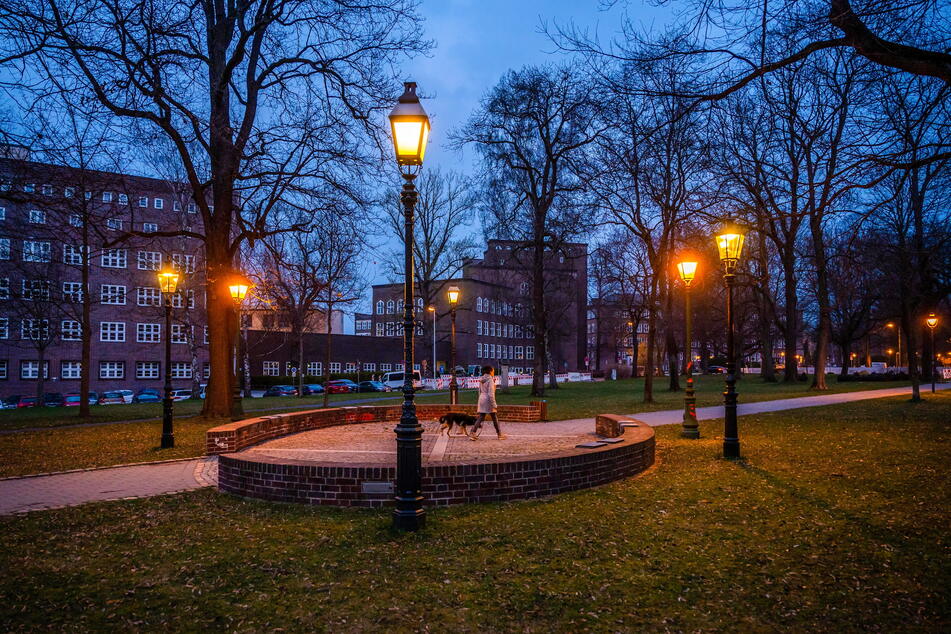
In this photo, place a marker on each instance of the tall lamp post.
(410, 127)
(932, 322)
(453, 293)
(239, 289)
(897, 332)
(730, 246)
(168, 283)
(688, 271)
(432, 308)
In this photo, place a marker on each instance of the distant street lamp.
(410, 127)
(453, 385)
(239, 289)
(897, 332)
(168, 283)
(730, 246)
(432, 308)
(688, 270)
(932, 322)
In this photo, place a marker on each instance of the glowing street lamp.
(432, 308)
(453, 293)
(168, 284)
(238, 287)
(729, 242)
(898, 333)
(410, 127)
(932, 321)
(688, 271)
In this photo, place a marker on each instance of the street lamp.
(688, 270)
(432, 308)
(932, 322)
(729, 241)
(410, 127)
(897, 332)
(453, 293)
(238, 288)
(168, 283)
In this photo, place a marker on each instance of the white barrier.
(472, 382)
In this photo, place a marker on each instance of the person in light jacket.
(487, 403)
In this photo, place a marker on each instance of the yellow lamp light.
(168, 280)
(410, 126)
(239, 287)
(431, 308)
(688, 271)
(453, 293)
(730, 240)
(932, 321)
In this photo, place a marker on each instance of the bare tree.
(259, 101)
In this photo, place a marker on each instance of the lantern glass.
(168, 281)
(410, 126)
(238, 291)
(932, 320)
(453, 294)
(688, 271)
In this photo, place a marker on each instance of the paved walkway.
(19, 495)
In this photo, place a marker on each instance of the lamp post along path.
(932, 322)
(168, 283)
(730, 246)
(410, 128)
(239, 289)
(453, 384)
(688, 270)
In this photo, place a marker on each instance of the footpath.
(40, 492)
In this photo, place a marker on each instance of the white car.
(127, 395)
(181, 395)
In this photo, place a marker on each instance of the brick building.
(57, 222)
(493, 318)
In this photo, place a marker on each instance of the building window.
(35, 329)
(4, 288)
(38, 290)
(113, 331)
(73, 254)
(149, 260)
(478, 304)
(389, 307)
(272, 368)
(351, 367)
(158, 203)
(75, 220)
(386, 367)
(31, 369)
(149, 227)
(146, 369)
(71, 330)
(4, 248)
(519, 352)
(390, 328)
(3, 213)
(112, 369)
(33, 251)
(529, 352)
(112, 294)
(29, 188)
(69, 192)
(3, 369)
(143, 201)
(4, 327)
(181, 370)
(73, 292)
(148, 333)
(478, 351)
(478, 326)
(123, 199)
(107, 197)
(206, 369)
(37, 217)
(70, 369)
(379, 328)
(313, 368)
(379, 307)
(335, 366)
(205, 337)
(179, 333)
(114, 223)
(148, 296)
(184, 263)
(369, 367)
(114, 258)
(191, 208)
(177, 300)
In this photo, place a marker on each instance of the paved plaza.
(370, 442)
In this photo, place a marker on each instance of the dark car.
(281, 390)
(341, 386)
(16, 402)
(53, 399)
(93, 398)
(716, 369)
(111, 398)
(73, 399)
(313, 388)
(148, 395)
(373, 386)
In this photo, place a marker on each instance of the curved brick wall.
(365, 485)
(244, 433)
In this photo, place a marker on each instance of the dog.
(456, 418)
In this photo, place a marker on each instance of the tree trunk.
(196, 370)
(40, 374)
(825, 308)
(222, 331)
(673, 365)
(300, 361)
(327, 355)
(846, 359)
(538, 304)
(85, 364)
(791, 331)
(635, 347)
(651, 340)
(552, 371)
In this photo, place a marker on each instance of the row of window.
(109, 331)
(499, 351)
(315, 368)
(496, 307)
(390, 307)
(105, 196)
(41, 251)
(110, 294)
(107, 369)
(511, 331)
(393, 329)
(362, 324)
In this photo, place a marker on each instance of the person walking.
(487, 404)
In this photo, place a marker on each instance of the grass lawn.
(83, 447)
(837, 520)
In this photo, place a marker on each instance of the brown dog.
(456, 418)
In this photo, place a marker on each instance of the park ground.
(54, 447)
(835, 520)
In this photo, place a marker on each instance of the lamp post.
(453, 384)
(410, 128)
(168, 283)
(688, 270)
(730, 246)
(897, 332)
(932, 322)
(432, 308)
(239, 289)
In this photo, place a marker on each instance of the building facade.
(76, 246)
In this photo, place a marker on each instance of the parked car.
(341, 386)
(716, 369)
(17, 402)
(281, 390)
(73, 399)
(373, 386)
(111, 398)
(93, 398)
(313, 388)
(181, 395)
(394, 380)
(52, 399)
(148, 395)
(128, 396)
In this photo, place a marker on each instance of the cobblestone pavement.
(354, 444)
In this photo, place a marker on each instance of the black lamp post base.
(690, 432)
(409, 519)
(168, 441)
(731, 448)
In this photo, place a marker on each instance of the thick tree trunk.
(300, 361)
(825, 307)
(538, 304)
(222, 331)
(635, 348)
(673, 365)
(791, 331)
(651, 342)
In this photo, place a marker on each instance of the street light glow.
(932, 321)
(453, 293)
(730, 245)
(688, 271)
(168, 280)
(410, 126)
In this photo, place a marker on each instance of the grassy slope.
(835, 522)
